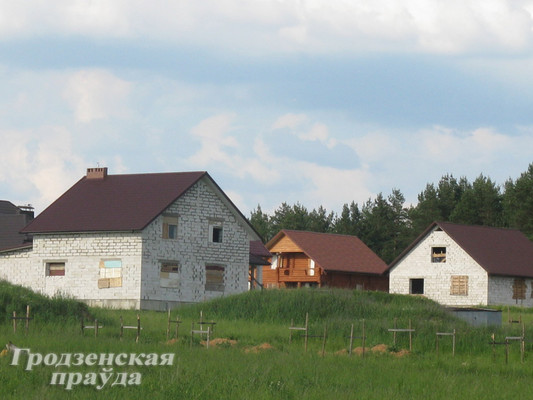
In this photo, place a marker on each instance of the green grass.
(284, 371)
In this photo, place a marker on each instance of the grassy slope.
(42, 308)
(285, 372)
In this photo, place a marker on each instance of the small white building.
(144, 241)
(462, 265)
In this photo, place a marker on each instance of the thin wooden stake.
(410, 336)
(168, 324)
(138, 328)
(27, 318)
(351, 341)
(364, 338)
(324, 341)
(306, 330)
(14, 322)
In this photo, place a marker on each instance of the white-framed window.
(169, 274)
(215, 231)
(55, 268)
(110, 273)
(214, 278)
(170, 227)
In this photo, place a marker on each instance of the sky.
(310, 101)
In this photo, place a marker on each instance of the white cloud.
(212, 133)
(96, 94)
(40, 165)
(298, 125)
(266, 27)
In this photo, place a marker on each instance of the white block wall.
(192, 250)
(81, 254)
(437, 276)
(501, 292)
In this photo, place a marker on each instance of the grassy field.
(253, 358)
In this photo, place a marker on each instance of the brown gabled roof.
(114, 203)
(258, 253)
(499, 251)
(335, 252)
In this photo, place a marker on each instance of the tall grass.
(284, 371)
(42, 308)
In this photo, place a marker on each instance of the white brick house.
(148, 241)
(461, 265)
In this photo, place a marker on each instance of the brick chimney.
(96, 173)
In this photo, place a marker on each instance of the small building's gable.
(438, 268)
(460, 265)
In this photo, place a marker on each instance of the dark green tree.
(261, 223)
(518, 202)
(481, 204)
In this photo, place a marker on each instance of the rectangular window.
(214, 278)
(215, 232)
(519, 289)
(459, 285)
(170, 227)
(416, 286)
(110, 274)
(55, 269)
(438, 254)
(169, 275)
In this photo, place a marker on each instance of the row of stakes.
(205, 328)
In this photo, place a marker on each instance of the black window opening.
(416, 286)
(217, 234)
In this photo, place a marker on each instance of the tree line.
(388, 226)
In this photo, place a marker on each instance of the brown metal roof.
(258, 253)
(499, 251)
(335, 252)
(257, 248)
(114, 203)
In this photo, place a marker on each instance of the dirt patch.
(380, 348)
(171, 341)
(257, 349)
(401, 353)
(359, 350)
(220, 342)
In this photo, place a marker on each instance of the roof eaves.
(16, 248)
(233, 207)
(410, 247)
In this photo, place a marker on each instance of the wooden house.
(313, 259)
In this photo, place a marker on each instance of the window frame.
(438, 258)
(213, 270)
(60, 265)
(216, 226)
(175, 269)
(459, 285)
(110, 276)
(169, 227)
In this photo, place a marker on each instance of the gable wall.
(285, 245)
(437, 276)
(192, 250)
(81, 254)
